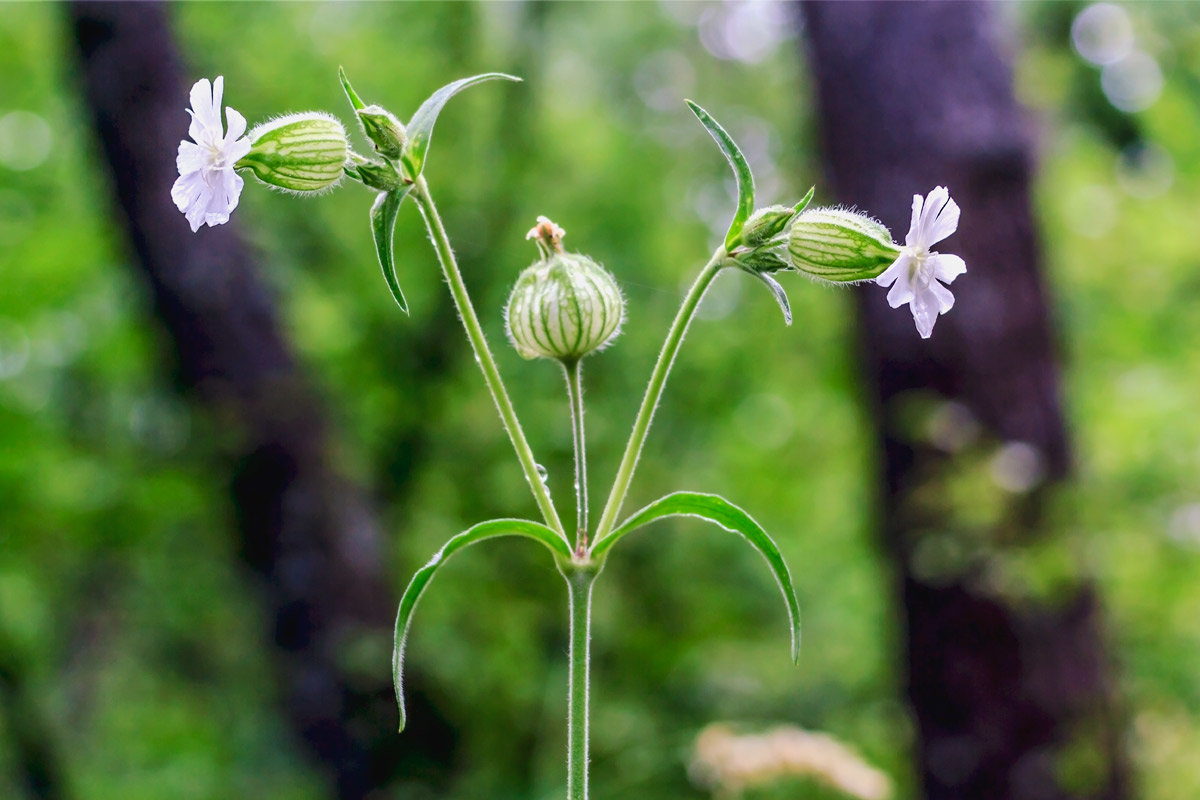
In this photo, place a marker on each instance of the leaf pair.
(418, 135)
(710, 507)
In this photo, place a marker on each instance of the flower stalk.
(483, 354)
(573, 373)
(654, 390)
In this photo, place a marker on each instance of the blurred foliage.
(123, 602)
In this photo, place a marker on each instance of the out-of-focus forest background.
(135, 652)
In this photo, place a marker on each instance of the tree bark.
(1011, 690)
(310, 534)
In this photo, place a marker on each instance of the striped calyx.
(840, 246)
(299, 152)
(564, 306)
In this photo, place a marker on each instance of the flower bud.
(840, 246)
(299, 152)
(384, 130)
(379, 175)
(565, 305)
(765, 224)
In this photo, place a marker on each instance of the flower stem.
(483, 355)
(573, 372)
(579, 589)
(654, 390)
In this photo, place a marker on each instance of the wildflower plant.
(564, 307)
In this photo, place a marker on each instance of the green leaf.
(741, 170)
(383, 225)
(420, 128)
(416, 587)
(351, 95)
(720, 511)
(778, 293)
(804, 201)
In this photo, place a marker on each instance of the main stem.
(483, 354)
(654, 390)
(573, 371)
(579, 590)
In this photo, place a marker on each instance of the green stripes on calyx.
(302, 153)
(840, 246)
(563, 307)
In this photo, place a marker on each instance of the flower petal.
(944, 297)
(237, 125)
(190, 158)
(196, 211)
(201, 98)
(901, 292)
(947, 267)
(186, 190)
(235, 151)
(901, 266)
(935, 201)
(914, 225)
(925, 311)
(944, 224)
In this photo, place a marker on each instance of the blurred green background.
(121, 594)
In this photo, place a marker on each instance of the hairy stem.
(579, 590)
(483, 355)
(573, 371)
(654, 390)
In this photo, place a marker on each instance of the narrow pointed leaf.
(778, 293)
(416, 587)
(351, 95)
(420, 128)
(804, 201)
(719, 511)
(741, 171)
(383, 226)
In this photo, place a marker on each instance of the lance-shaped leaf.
(351, 95)
(383, 226)
(778, 293)
(720, 511)
(420, 128)
(741, 171)
(416, 587)
(804, 201)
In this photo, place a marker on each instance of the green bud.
(840, 246)
(298, 152)
(384, 130)
(379, 175)
(768, 258)
(765, 224)
(565, 305)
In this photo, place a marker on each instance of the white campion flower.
(916, 276)
(208, 189)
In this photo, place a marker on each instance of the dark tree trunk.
(1011, 689)
(310, 534)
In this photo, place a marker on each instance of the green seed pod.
(298, 152)
(563, 306)
(840, 246)
(384, 130)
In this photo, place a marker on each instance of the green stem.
(573, 372)
(579, 589)
(654, 390)
(483, 355)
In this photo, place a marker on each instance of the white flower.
(208, 189)
(915, 275)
